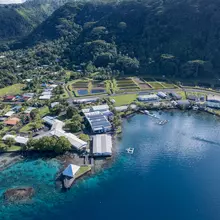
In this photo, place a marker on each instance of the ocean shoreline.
(11, 158)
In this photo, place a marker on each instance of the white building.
(57, 130)
(100, 108)
(71, 170)
(162, 95)
(213, 98)
(29, 110)
(18, 139)
(151, 97)
(45, 97)
(87, 100)
(9, 114)
(54, 104)
(102, 145)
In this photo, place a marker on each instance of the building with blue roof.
(98, 122)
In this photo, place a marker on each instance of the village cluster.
(98, 115)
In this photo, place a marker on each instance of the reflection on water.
(173, 169)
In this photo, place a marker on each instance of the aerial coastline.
(52, 123)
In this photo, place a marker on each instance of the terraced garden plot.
(141, 83)
(168, 85)
(156, 85)
(97, 86)
(188, 84)
(80, 84)
(126, 84)
(161, 80)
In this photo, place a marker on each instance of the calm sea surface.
(174, 174)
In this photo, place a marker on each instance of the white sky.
(11, 1)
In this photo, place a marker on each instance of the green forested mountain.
(19, 20)
(178, 38)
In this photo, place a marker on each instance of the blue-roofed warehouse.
(98, 122)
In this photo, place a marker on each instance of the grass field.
(182, 94)
(11, 90)
(11, 149)
(124, 99)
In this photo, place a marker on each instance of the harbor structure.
(102, 145)
(71, 170)
(148, 98)
(69, 175)
(98, 122)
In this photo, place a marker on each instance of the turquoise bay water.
(173, 174)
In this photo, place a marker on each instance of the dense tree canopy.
(175, 38)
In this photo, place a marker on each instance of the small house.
(29, 110)
(18, 139)
(12, 121)
(54, 104)
(9, 113)
(16, 108)
(9, 98)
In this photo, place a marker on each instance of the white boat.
(195, 108)
(130, 150)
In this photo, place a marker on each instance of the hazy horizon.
(12, 1)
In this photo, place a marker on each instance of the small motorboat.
(130, 150)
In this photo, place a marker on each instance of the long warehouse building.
(102, 145)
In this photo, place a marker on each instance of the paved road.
(70, 100)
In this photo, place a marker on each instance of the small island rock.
(20, 194)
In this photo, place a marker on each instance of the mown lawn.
(11, 90)
(44, 111)
(124, 99)
(26, 128)
(82, 170)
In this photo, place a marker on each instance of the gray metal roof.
(98, 121)
(102, 144)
